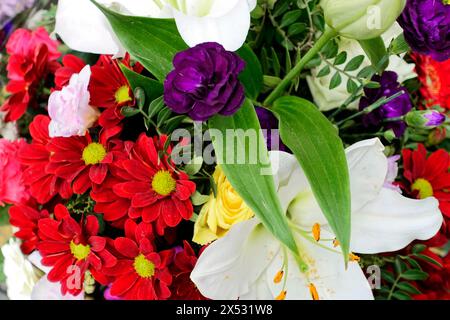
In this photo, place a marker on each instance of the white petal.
(326, 271)
(230, 30)
(229, 266)
(368, 168)
(391, 222)
(46, 290)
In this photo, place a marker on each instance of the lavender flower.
(205, 82)
(427, 27)
(398, 107)
(10, 8)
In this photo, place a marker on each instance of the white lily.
(225, 22)
(248, 263)
(83, 27)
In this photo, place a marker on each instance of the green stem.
(278, 91)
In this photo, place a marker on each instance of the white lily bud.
(361, 19)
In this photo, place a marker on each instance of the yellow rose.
(220, 213)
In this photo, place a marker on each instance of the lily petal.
(229, 266)
(230, 29)
(390, 222)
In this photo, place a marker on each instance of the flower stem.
(278, 91)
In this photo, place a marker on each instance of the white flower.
(244, 263)
(69, 108)
(327, 99)
(19, 272)
(83, 27)
(225, 22)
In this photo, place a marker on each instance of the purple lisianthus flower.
(269, 124)
(426, 25)
(205, 82)
(398, 107)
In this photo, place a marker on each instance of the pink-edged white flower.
(69, 109)
(249, 263)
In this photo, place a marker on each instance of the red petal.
(126, 247)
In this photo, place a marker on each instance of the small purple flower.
(205, 82)
(426, 25)
(435, 119)
(398, 107)
(269, 124)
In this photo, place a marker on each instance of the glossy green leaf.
(153, 42)
(252, 76)
(152, 88)
(320, 152)
(235, 155)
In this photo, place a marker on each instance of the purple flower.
(269, 124)
(427, 27)
(398, 107)
(9, 8)
(205, 82)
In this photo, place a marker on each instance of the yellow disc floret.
(163, 183)
(94, 153)
(79, 251)
(122, 95)
(144, 268)
(424, 187)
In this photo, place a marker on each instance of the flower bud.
(361, 19)
(424, 119)
(437, 136)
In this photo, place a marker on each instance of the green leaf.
(324, 72)
(262, 197)
(401, 295)
(419, 248)
(153, 42)
(4, 216)
(341, 58)
(290, 17)
(414, 275)
(399, 45)
(152, 88)
(428, 259)
(376, 51)
(408, 287)
(388, 276)
(129, 111)
(155, 107)
(199, 199)
(354, 64)
(252, 76)
(352, 86)
(336, 80)
(319, 150)
(2, 275)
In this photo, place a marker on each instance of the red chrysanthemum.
(435, 79)
(182, 287)
(26, 219)
(141, 273)
(33, 56)
(71, 248)
(156, 192)
(35, 157)
(110, 90)
(428, 176)
(82, 161)
(71, 65)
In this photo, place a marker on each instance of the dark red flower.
(155, 191)
(428, 175)
(182, 287)
(33, 56)
(35, 157)
(71, 65)
(26, 219)
(71, 248)
(141, 273)
(82, 161)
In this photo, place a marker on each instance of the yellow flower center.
(163, 183)
(424, 187)
(144, 268)
(94, 153)
(79, 251)
(122, 95)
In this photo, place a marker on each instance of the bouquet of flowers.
(212, 149)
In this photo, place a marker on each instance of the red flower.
(428, 176)
(71, 65)
(82, 161)
(435, 79)
(35, 158)
(72, 248)
(182, 287)
(32, 56)
(26, 219)
(141, 273)
(156, 192)
(110, 90)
